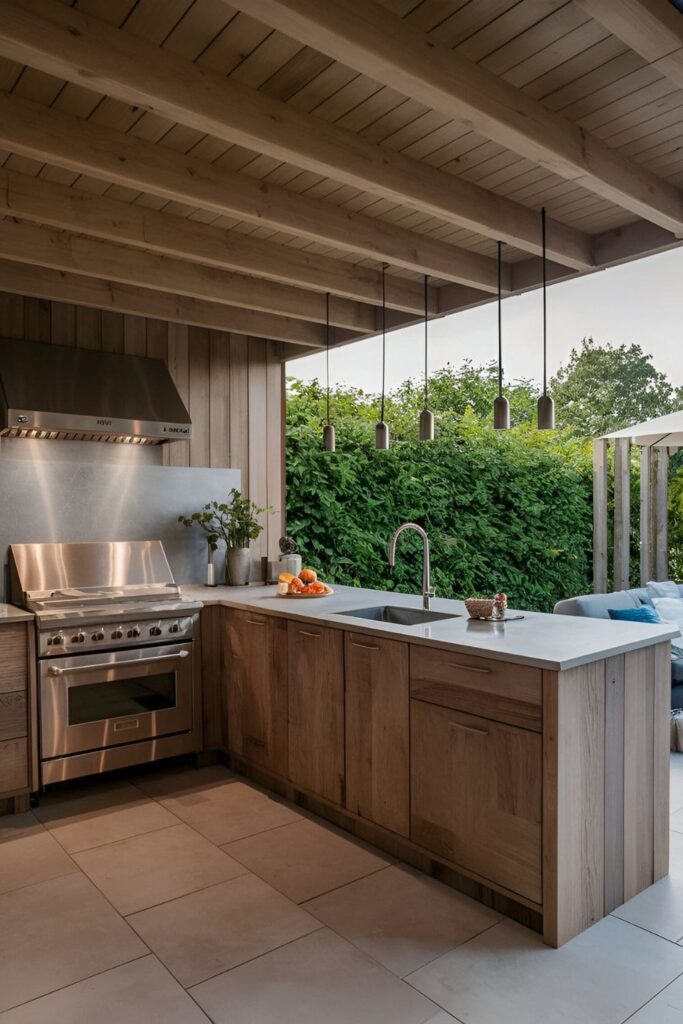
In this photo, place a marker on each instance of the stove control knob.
(174, 628)
(56, 640)
(155, 630)
(97, 636)
(134, 632)
(78, 638)
(117, 634)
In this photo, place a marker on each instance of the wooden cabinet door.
(257, 689)
(14, 750)
(316, 709)
(476, 795)
(378, 730)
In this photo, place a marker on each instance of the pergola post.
(622, 512)
(661, 514)
(646, 517)
(600, 516)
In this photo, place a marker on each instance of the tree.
(606, 388)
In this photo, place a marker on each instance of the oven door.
(93, 701)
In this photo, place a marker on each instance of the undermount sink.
(399, 616)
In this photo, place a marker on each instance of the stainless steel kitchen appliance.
(118, 680)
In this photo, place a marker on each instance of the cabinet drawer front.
(13, 658)
(499, 690)
(13, 719)
(13, 765)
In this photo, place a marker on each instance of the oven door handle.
(55, 670)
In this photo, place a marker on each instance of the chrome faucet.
(427, 588)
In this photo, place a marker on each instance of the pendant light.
(501, 406)
(545, 407)
(426, 417)
(381, 429)
(329, 439)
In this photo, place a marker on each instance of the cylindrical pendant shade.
(426, 425)
(546, 413)
(501, 413)
(382, 436)
(329, 438)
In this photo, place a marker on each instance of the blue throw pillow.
(645, 614)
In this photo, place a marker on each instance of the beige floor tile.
(211, 931)
(31, 859)
(402, 918)
(140, 872)
(321, 978)
(665, 1008)
(56, 933)
(12, 826)
(91, 813)
(660, 908)
(142, 992)
(305, 859)
(507, 974)
(230, 810)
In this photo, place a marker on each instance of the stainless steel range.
(118, 682)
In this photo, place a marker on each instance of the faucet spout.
(427, 588)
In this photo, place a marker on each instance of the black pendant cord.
(384, 335)
(545, 317)
(500, 320)
(426, 297)
(327, 350)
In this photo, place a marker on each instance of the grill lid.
(68, 575)
(55, 392)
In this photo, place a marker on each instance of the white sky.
(638, 302)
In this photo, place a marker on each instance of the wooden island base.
(543, 794)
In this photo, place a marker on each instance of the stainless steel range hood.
(50, 391)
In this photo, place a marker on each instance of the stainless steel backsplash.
(66, 491)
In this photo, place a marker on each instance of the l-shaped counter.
(525, 762)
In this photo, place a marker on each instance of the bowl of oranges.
(306, 584)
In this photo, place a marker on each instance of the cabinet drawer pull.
(468, 728)
(256, 622)
(365, 647)
(303, 632)
(470, 668)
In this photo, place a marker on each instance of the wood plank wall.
(231, 385)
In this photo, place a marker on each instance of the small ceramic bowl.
(479, 607)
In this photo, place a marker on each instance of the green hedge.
(505, 512)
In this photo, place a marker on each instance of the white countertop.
(555, 642)
(10, 613)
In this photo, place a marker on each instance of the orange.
(308, 575)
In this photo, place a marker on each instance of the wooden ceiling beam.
(363, 35)
(92, 257)
(61, 41)
(59, 206)
(44, 283)
(652, 28)
(40, 133)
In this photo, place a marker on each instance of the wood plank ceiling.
(227, 164)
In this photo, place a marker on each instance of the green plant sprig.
(234, 522)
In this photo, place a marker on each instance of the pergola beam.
(59, 206)
(42, 283)
(63, 250)
(622, 512)
(62, 41)
(85, 147)
(365, 36)
(652, 28)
